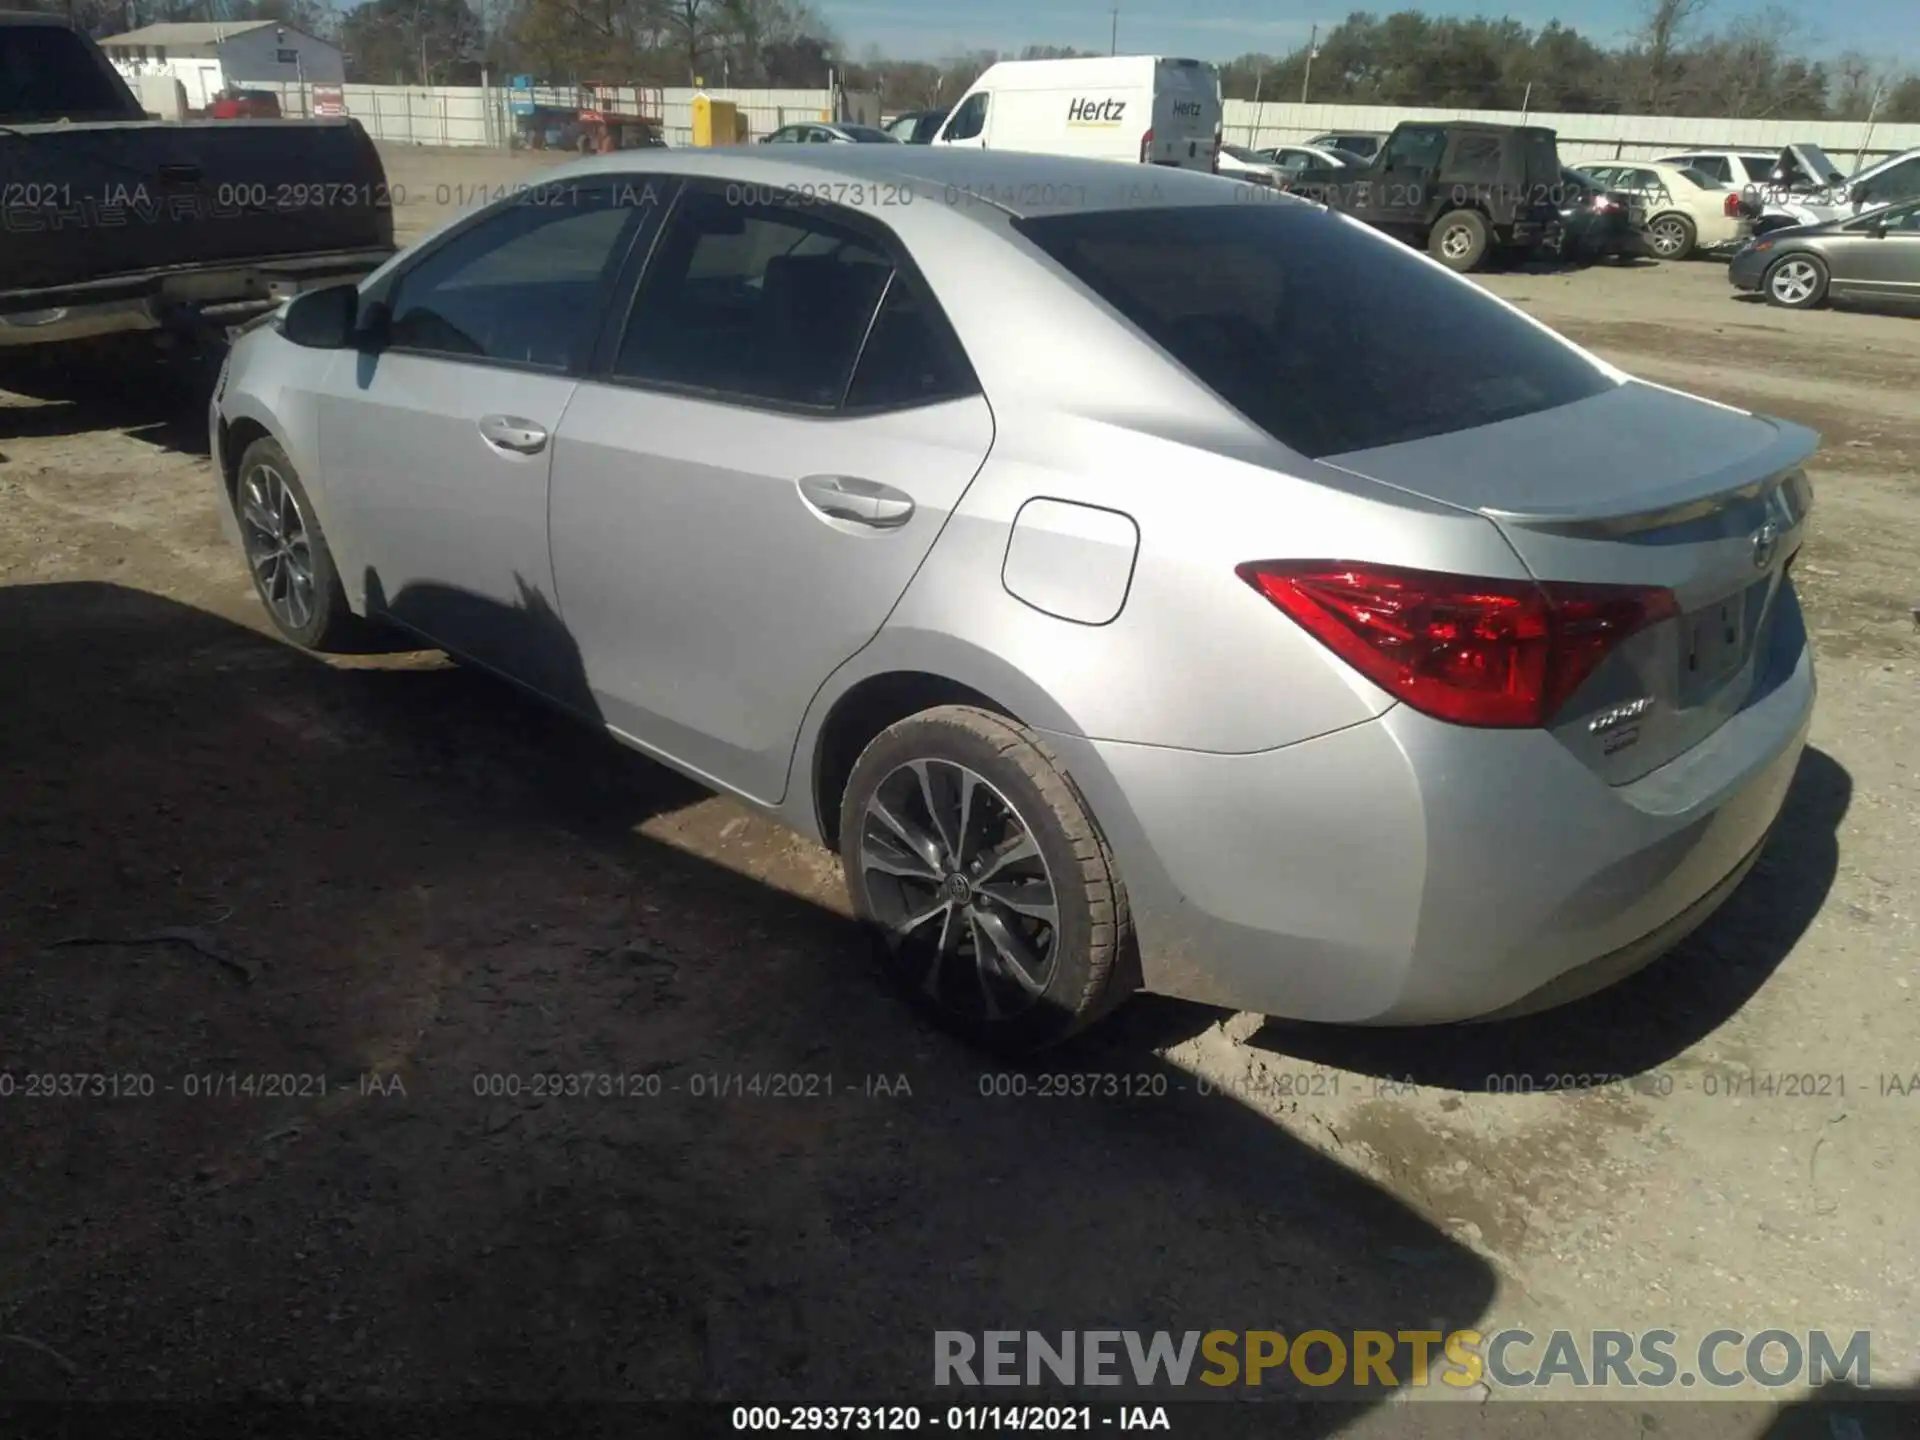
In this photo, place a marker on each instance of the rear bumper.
(154, 300)
(1405, 871)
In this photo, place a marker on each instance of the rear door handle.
(510, 432)
(863, 502)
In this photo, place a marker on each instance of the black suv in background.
(1463, 191)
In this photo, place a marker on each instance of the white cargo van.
(1141, 108)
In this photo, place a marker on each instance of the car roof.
(1023, 185)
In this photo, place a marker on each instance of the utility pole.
(1113, 39)
(1313, 49)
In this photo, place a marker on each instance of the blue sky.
(1221, 29)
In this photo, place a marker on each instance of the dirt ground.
(395, 884)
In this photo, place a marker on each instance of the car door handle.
(510, 432)
(864, 502)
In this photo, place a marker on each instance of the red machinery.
(605, 127)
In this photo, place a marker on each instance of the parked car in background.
(113, 222)
(819, 132)
(1464, 191)
(1292, 159)
(1465, 592)
(244, 105)
(1885, 182)
(1741, 169)
(1594, 222)
(1239, 163)
(1873, 258)
(916, 127)
(1686, 211)
(1364, 143)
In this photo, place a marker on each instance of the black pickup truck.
(112, 221)
(1463, 191)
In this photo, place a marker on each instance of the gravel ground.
(391, 881)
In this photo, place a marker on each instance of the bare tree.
(1665, 27)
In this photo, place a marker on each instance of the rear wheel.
(1672, 237)
(995, 901)
(1798, 282)
(1459, 240)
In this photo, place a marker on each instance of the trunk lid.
(88, 202)
(1639, 486)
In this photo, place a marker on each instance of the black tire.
(325, 622)
(1093, 929)
(1459, 240)
(1672, 236)
(1796, 265)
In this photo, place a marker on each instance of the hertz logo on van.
(1096, 112)
(1187, 108)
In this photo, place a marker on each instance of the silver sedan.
(1139, 586)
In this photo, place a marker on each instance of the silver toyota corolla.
(1142, 580)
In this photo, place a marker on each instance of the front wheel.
(1797, 282)
(292, 567)
(995, 900)
(1460, 240)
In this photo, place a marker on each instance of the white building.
(207, 57)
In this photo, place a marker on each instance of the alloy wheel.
(1668, 238)
(276, 540)
(956, 881)
(1794, 282)
(1456, 242)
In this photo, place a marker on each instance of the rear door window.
(1717, 166)
(1326, 335)
(1475, 158)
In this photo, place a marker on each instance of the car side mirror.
(323, 319)
(1878, 232)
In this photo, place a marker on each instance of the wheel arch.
(895, 678)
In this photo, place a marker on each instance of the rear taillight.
(1730, 207)
(1146, 147)
(1491, 653)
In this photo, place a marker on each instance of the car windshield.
(867, 135)
(1244, 155)
(1346, 157)
(1326, 335)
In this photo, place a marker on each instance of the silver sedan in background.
(1138, 587)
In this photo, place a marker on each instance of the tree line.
(1677, 62)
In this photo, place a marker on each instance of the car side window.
(970, 119)
(769, 303)
(1415, 150)
(911, 356)
(1475, 157)
(1898, 182)
(1717, 166)
(523, 286)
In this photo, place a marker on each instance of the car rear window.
(1327, 336)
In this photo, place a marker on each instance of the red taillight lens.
(1731, 207)
(1492, 653)
(1146, 147)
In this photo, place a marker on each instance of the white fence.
(1583, 138)
(480, 114)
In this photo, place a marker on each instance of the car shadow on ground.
(1646, 1020)
(157, 399)
(306, 937)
